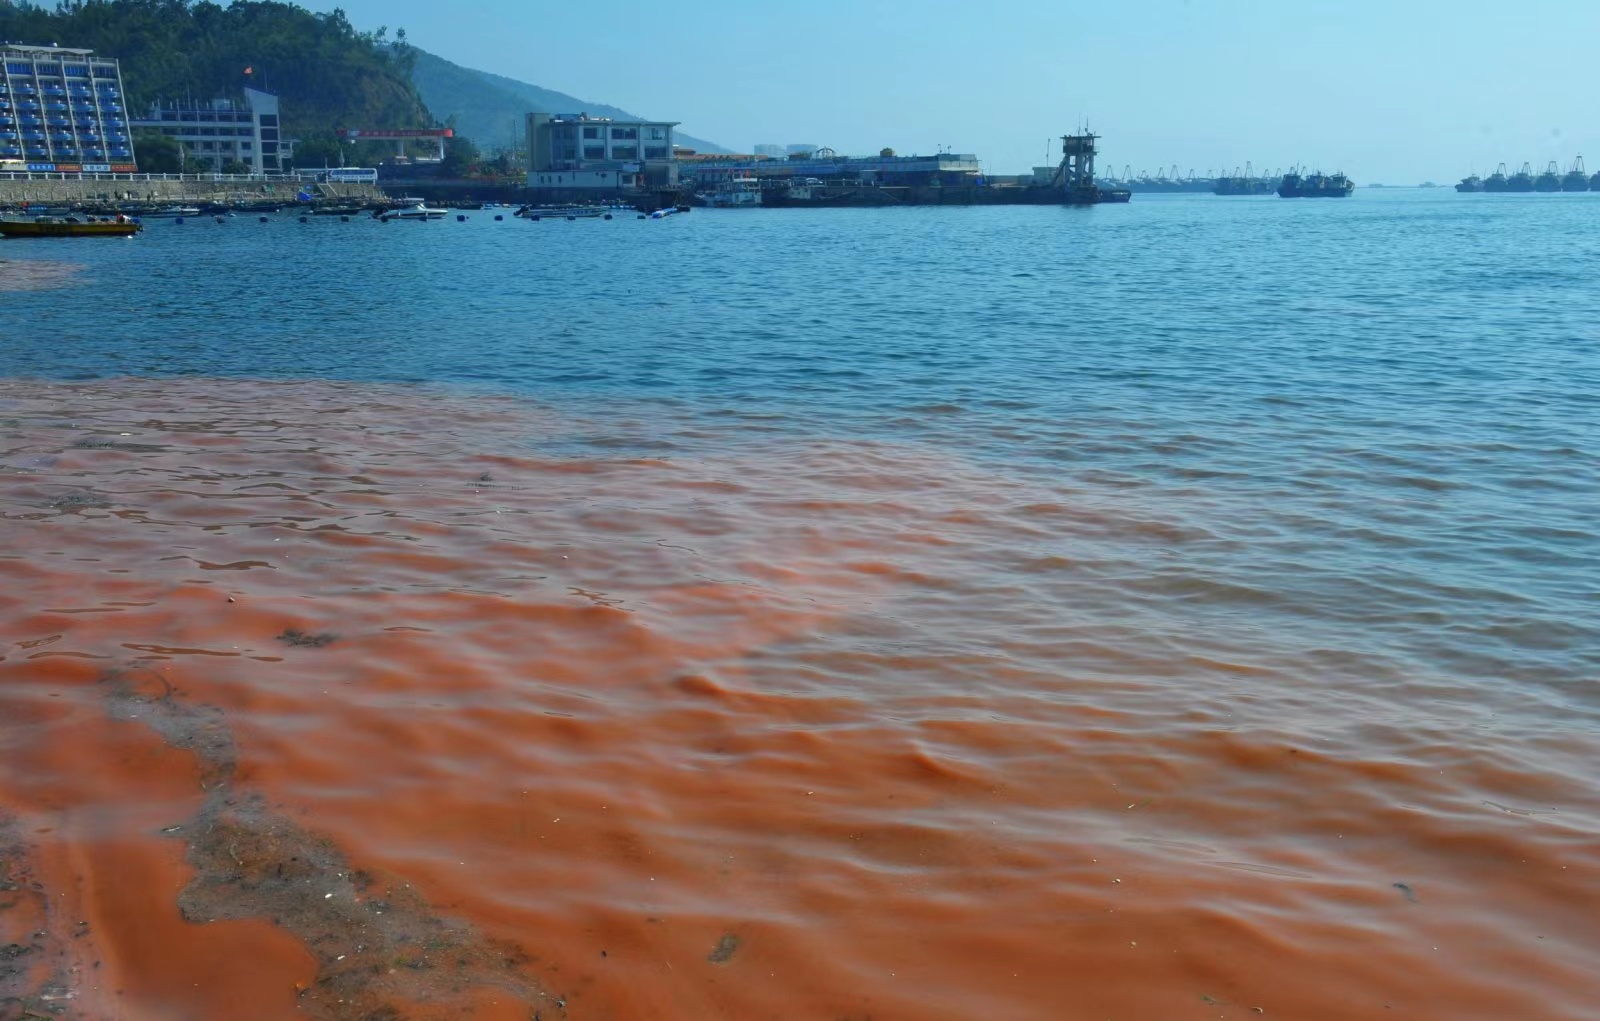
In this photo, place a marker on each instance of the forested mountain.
(327, 74)
(488, 108)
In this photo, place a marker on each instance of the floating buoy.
(219, 219)
(460, 218)
(643, 217)
(535, 219)
(178, 220)
(608, 216)
(499, 217)
(571, 218)
(305, 219)
(344, 219)
(263, 219)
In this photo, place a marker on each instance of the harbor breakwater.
(87, 191)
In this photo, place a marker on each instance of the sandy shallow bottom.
(36, 275)
(373, 702)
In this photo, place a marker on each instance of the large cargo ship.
(1315, 186)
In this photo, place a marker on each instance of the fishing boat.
(69, 227)
(737, 193)
(1296, 185)
(1550, 180)
(1577, 178)
(573, 212)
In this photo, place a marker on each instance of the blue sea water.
(1404, 383)
(1152, 499)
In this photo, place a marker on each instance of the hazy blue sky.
(1390, 90)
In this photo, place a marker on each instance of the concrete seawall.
(37, 191)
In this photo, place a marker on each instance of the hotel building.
(213, 132)
(62, 111)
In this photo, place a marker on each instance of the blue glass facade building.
(63, 110)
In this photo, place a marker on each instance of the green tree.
(504, 164)
(235, 167)
(156, 153)
(316, 152)
(460, 157)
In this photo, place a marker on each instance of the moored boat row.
(1524, 180)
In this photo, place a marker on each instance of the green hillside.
(488, 107)
(326, 74)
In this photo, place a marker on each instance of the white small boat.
(171, 212)
(420, 211)
(736, 193)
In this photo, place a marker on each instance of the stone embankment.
(76, 191)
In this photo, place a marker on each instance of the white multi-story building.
(576, 151)
(217, 131)
(61, 110)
